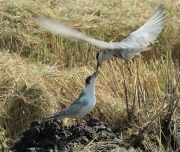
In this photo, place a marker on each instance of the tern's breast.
(88, 108)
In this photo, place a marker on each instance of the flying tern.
(84, 104)
(137, 42)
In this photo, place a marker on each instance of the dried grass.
(29, 89)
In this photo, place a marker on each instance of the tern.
(137, 42)
(84, 104)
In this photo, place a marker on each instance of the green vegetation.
(42, 73)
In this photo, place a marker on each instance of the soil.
(53, 135)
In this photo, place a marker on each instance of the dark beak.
(98, 65)
(95, 74)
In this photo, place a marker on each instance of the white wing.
(147, 33)
(132, 45)
(63, 30)
(138, 41)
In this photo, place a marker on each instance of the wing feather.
(147, 33)
(135, 43)
(58, 28)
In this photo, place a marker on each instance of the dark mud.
(53, 135)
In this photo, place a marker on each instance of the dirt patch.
(53, 135)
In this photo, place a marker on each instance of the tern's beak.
(95, 74)
(98, 65)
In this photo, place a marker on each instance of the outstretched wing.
(58, 28)
(135, 43)
(147, 33)
(139, 40)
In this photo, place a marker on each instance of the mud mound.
(52, 134)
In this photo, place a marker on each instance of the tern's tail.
(57, 115)
(50, 117)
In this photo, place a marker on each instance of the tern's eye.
(88, 80)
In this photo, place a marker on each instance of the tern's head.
(102, 56)
(91, 79)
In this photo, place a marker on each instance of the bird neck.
(90, 88)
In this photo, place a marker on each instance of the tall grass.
(42, 73)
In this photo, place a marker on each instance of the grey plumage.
(83, 104)
(71, 111)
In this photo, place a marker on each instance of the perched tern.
(134, 44)
(84, 104)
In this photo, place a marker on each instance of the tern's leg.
(128, 67)
(79, 123)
